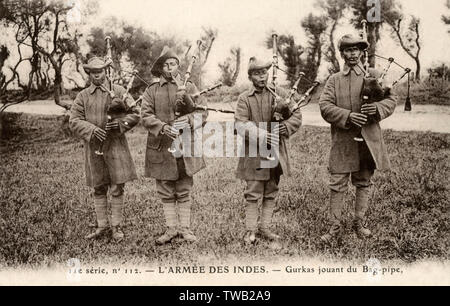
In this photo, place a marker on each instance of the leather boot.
(249, 237)
(268, 234)
(170, 233)
(117, 233)
(360, 230)
(187, 234)
(99, 232)
(332, 234)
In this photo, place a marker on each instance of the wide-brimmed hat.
(256, 64)
(166, 53)
(95, 63)
(350, 41)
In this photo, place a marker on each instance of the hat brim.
(363, 45)
(157, 67)
(259, 67)
(87, 68)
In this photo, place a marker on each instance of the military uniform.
(113, 169)
(349, 158)
(174, 176)
(255, 107)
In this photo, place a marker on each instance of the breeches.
(265, 190)
(179, 190)
(361, 178)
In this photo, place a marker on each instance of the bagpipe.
(373, 88)
(186, 104)
(283, 109)
(117, 107)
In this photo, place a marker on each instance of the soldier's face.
(170, 68)
(98, 76)
(352, 55)
(259, 78)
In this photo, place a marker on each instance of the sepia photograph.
(224, 143)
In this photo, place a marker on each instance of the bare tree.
(5, 82)
(14, 75)
(237, 54)
(390, 10)
(230, 68)
(4, 54)
(34, 28)
(41, 21)
(409, 40)
(207, 38)
(334, 11)
(28, 19)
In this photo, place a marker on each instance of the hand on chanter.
(358, 119)
(100, 134)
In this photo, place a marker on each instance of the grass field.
(46, 209)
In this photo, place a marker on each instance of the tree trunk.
(62, 88)
(1, 125)
(57, 89)
(332, 50)
(418, 67)
(30, 83)
(238, 67)
(2, 84)
(372, 50)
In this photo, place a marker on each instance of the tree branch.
(55, 33)
(397, 31)
(417, 40)
(208, 50)
(14, 70)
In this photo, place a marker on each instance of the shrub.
(425, 92)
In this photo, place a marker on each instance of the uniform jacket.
(158, 109)
(249, 109)
(340, 97)
(89, 111)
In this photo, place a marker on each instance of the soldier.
(115, 167)
(340, 105)
(174, 176)
(255, 106)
